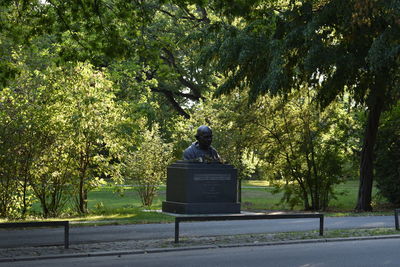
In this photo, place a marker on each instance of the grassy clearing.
(257, 195)
(109, 207)
(255, 183)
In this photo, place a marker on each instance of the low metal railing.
(232, 217)
(396, 219)
(41, 224)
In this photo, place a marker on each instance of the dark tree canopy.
(387, 160)
(334, 46)
(155, 35)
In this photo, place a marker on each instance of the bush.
(147, 166)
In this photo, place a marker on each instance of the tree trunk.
(367, 153)
(81, 206)
(44, 206)
(85, 201)
(24, 196)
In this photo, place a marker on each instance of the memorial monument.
(200, 183)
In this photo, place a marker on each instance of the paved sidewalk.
(137, 232)
(140, 237)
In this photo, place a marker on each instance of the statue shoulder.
(215, 153)
(190, 152)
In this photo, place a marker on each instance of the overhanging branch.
(170, 97)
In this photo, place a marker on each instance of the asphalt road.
(379, 252)
(51, 236)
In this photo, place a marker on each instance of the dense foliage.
(96, 92)
(337, 46)
(303, 149)
(147, 166)
(388, 157)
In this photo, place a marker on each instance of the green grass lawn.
(258, 195)
(109, 207)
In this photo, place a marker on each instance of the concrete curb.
(161, 250)
(305, 241)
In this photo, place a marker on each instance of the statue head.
(204, 136)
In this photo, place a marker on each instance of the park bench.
(41, 224)
(232, 217)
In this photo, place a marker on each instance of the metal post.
(176, 230)
(396, 219)
(66, 235)
(321, 225)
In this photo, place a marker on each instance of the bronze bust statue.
(201, 150)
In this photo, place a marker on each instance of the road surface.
(379, 252)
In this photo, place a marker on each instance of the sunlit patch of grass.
(113, 218)
(255, 183)
(131, 217)
(102, 217)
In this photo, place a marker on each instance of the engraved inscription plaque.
(212, 190)
(212, 177)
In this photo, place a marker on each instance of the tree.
(388, 156)
(146, 166)
(300, 150)
(92, 139)
(64, 129)
(310, 148)
(234, 131)
(157, 36)
(28, 134)
(15, 157)
(333, 46)
(112, 36)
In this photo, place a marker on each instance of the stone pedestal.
(201, 188)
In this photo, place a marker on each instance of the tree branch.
(60, 15)
(170, 96)
(170, 60)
